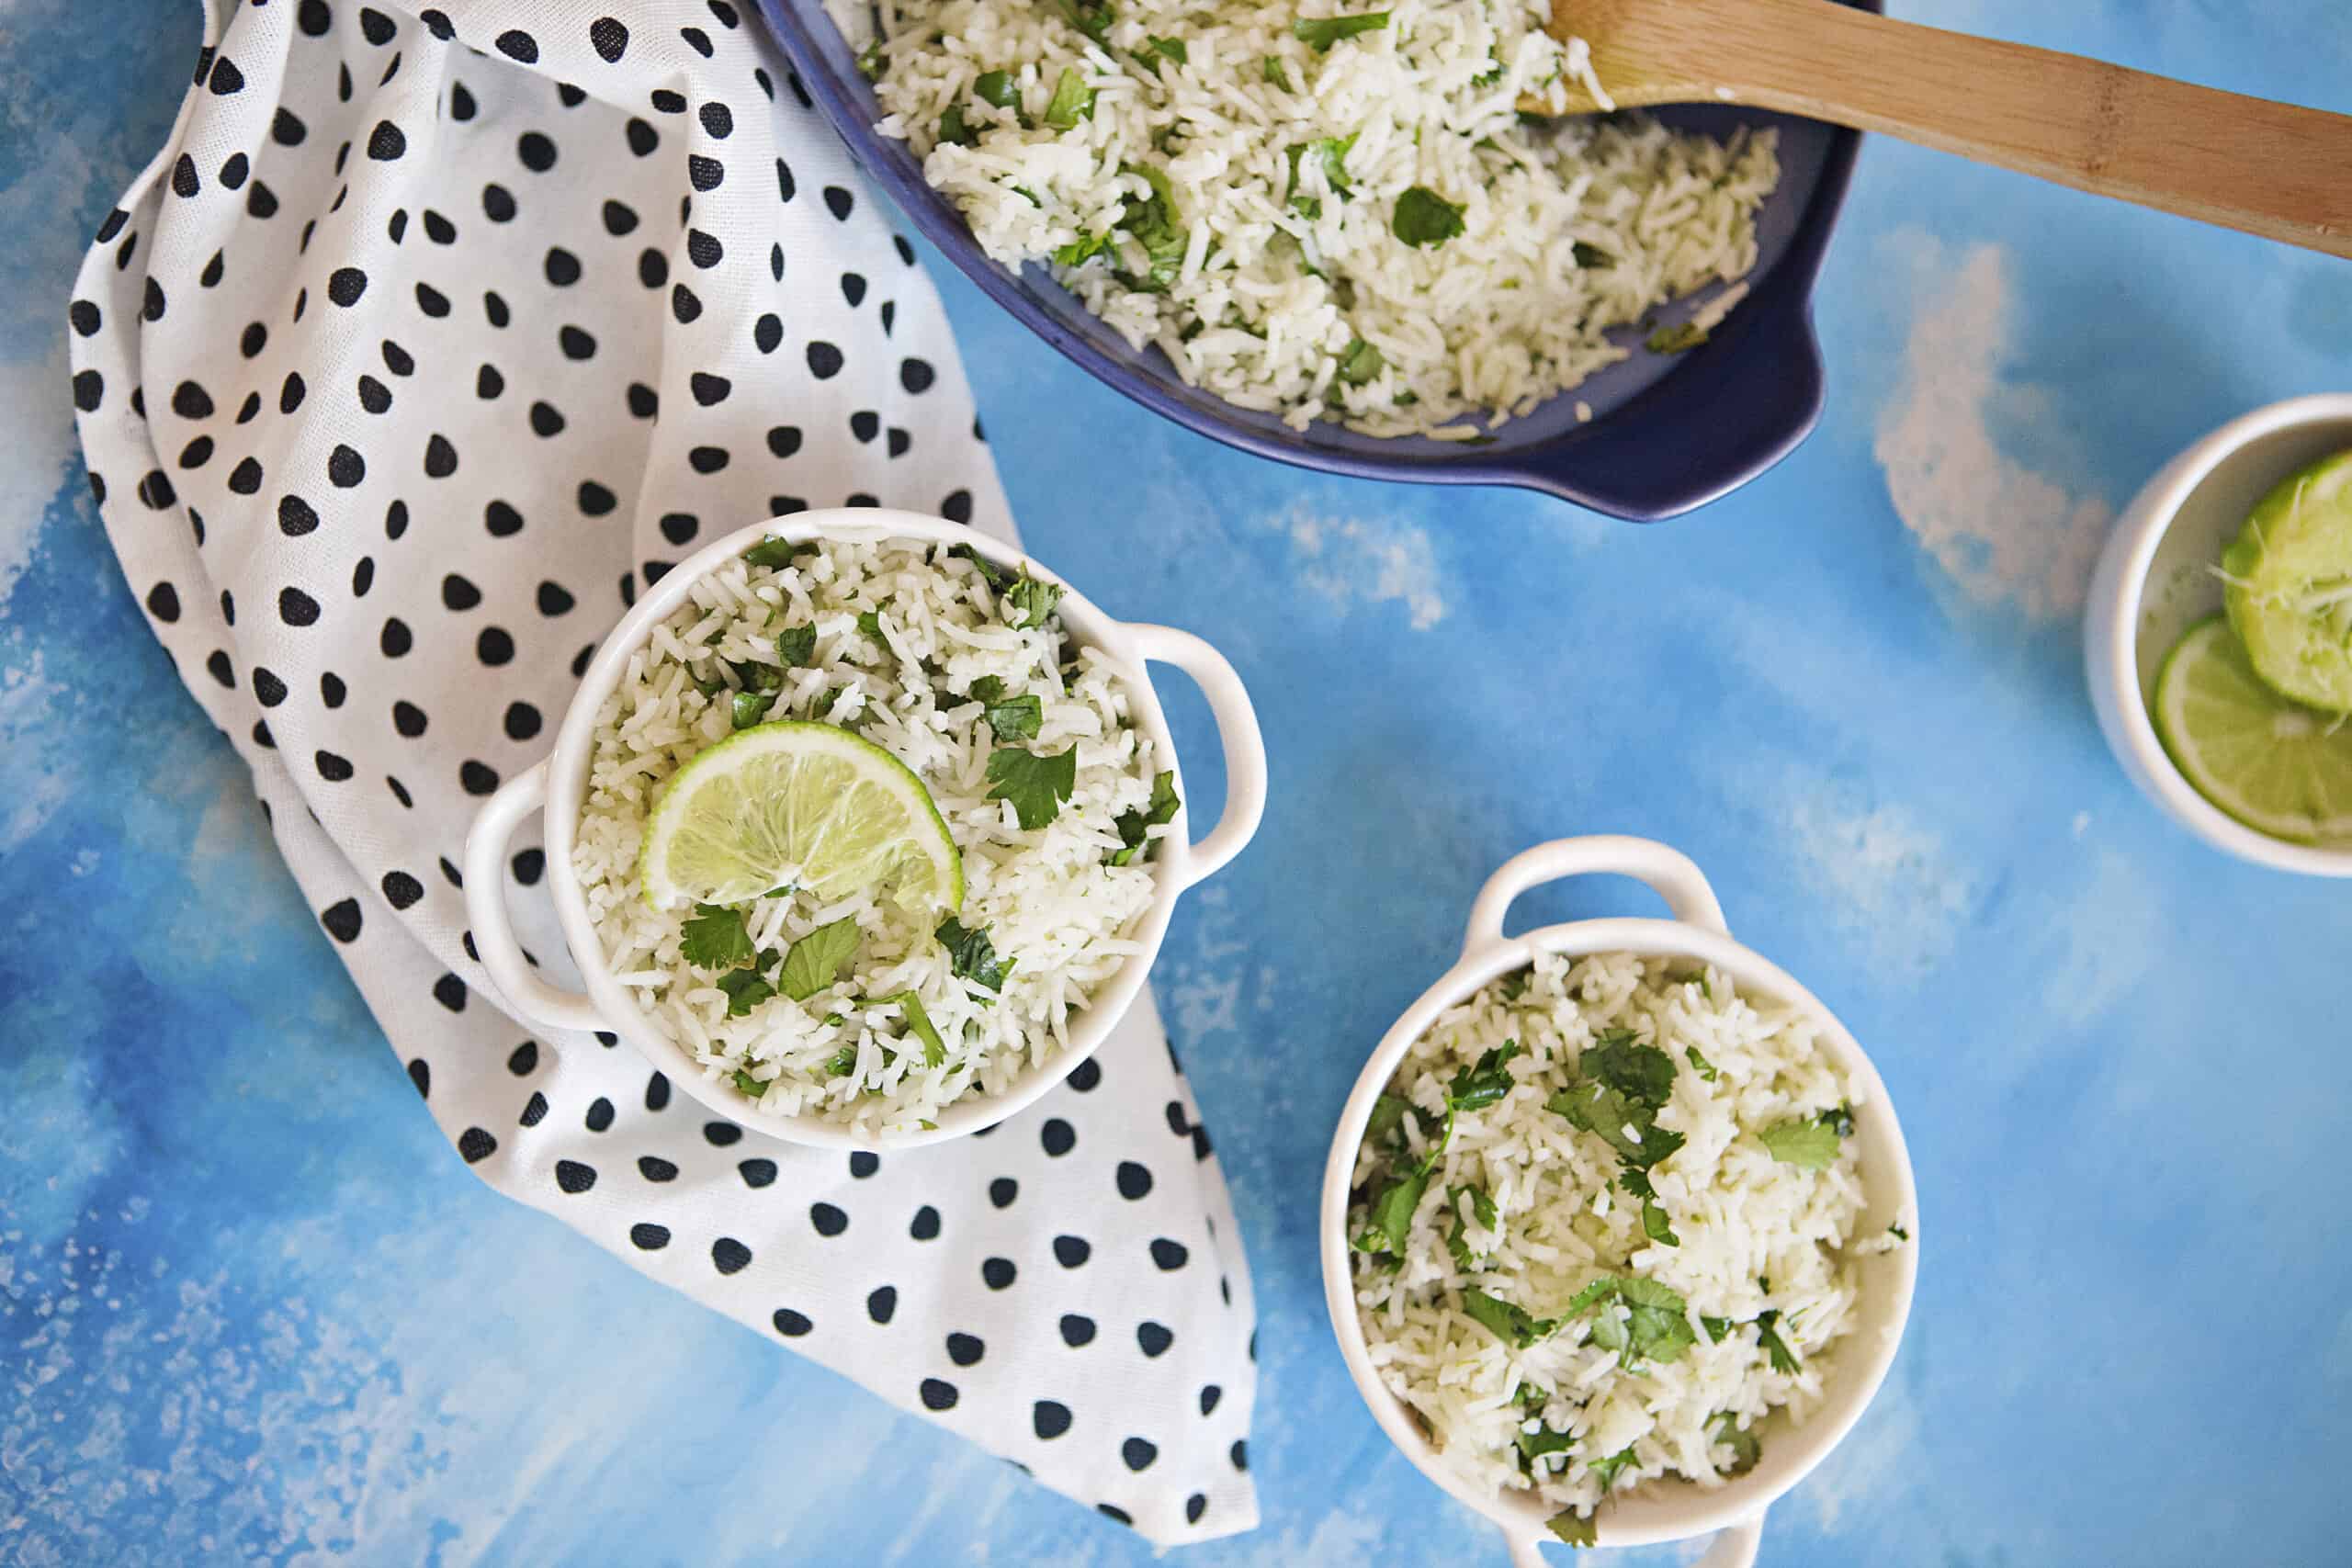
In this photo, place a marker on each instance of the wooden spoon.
(2268, 168)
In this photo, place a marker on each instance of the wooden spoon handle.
(2267, 168)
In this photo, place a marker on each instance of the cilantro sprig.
(971, 956)
(715, 937)
(1038, 787)
(1624, 1085)
(816, 961)
(1812, 1141)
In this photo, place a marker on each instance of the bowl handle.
(1237, 726)
(486, 842)
(1669, 872)
(1735, 1545)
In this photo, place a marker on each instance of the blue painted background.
(251, 1309)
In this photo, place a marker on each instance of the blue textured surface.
(255, 1310)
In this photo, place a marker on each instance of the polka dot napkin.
(430, 335)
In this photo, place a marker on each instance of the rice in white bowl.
(1635, 1244)
(1236, 182)
(902, 630)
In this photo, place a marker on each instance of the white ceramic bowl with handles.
(2155, 580)
(1665, 1510)
(558, 787)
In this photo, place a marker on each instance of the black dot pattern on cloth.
(429, 344)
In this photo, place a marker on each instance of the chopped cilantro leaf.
(1322, 32)
(1036, 785)
(747, 708)
(1897, 1232)
(1424, 217)
(1535, 1444)
(1677, 339)
(1809, 1141)
(952, 128)
(1606, 1471)
(1093, 17)
(1085, 248)
(844, 1060)
(1482, 1210)
(1485, 1083)
(1768, 1334)
(1387, 1117)
(1514, 1325)
(1392, 1214)
(1705, 1068)
(1514, 985)
(1331, 152)
(870, 61)
(1591, 256)
(1530, 1397)
(815, 961)
(1716, 1328)
(715, 938)
(1134, 825)
(1166, 49)
(1276, 74)
(997, 578)
(745, 990)
(870, 623)
(1359, 363)
(775, 554)
(1656, 1324)
(797, 646)
(1656, 1225)
(1150, 221)
(749, 1085)
(998, 87)
(1028, 602)
(1017, 718)
(934, 1049)
(1640, 1072)
(1577, 1529)
(970, 956)
(1744, 1447)
(1073, 100)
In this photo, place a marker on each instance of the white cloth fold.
(431, 334)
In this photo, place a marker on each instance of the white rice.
(1049, 901)
(1568, 230)
(1754, 1235)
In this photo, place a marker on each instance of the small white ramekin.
(558, 787)
(1663, 1511)
(2155, 580)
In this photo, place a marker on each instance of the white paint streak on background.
(1883, 882)
(1353, 560)
(2004, 531)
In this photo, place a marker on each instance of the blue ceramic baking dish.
(1668, 434)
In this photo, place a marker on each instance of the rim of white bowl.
(2114, 649)
(1664, 1510)
(567, 775)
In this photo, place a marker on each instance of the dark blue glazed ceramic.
(1668, 433)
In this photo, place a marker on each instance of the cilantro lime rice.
(853, 1010)
(1602, 1226)
(1327, 211)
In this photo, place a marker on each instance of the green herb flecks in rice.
(855, 1011)
(1266, 192)
(1601, 1228)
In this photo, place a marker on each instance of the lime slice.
(2290, 597)
(2280, 768)
(806, 804)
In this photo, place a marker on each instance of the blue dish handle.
(1741, 402)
